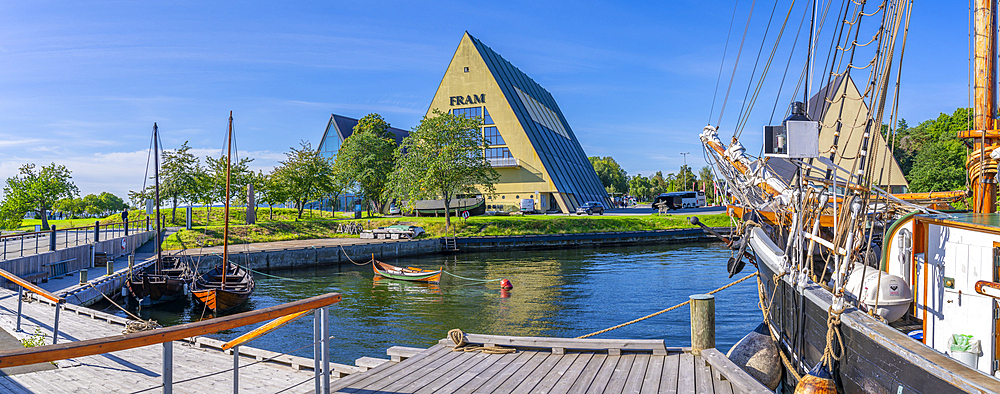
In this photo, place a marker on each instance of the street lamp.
(682, 168)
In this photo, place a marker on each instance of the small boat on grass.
(409, 273)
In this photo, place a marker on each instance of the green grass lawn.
(435, 227)
(199, 217)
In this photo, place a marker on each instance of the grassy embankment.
(475, 226)
(199, 217)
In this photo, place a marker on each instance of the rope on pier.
(665, 310)
(457, 336)
(135, 325)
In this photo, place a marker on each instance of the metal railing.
(35, 242)
(503, 162)
(281, 314)
(21, 286)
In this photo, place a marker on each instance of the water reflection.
(563, 293)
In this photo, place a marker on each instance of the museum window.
(493, 136)
(498, 153)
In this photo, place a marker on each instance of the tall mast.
(809, 56)
(984, 133)
(225, 234)
(156, 177)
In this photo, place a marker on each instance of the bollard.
(52, 237)
(702, 323)
(97, 231)
(111, 267)
(131, 262)
(83, 276)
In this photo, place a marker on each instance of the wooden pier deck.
(569, 366)
(133, 370)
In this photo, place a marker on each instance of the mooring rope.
(766, 310)
(665, 310)
(472, 279)
(461, 345)
(352, 261)
(135, 325)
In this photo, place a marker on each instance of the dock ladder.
(451, 244)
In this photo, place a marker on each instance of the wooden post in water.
(702, 323)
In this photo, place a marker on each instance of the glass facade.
(493, 136)
(498, 153)
(474, 112)
(490, 133)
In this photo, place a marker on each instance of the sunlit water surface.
(557, 293)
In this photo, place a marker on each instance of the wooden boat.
(227, 285)
(208, 288)
(411, 274)
(168, 279)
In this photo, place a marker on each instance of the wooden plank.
(685, 373)
(702, 377)
(621, 373)
(741, 381)
(553, 367)
(508, 371)
(400, 369)
(562, 371)
(722, 385)
(428, 374)
(587, 375)
(654, 370)
(399, 353)
(498, 366)
(67, 350)
(541, 360)
(604, 374)
(397, 379)
(477, 362)
(31, 287)
(13, 387)
(655, 345)
(370, 362)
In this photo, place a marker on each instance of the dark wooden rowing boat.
(219, 296)
(409, 273)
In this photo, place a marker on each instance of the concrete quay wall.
(556, 241)
(322, 256)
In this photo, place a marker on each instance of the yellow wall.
(530, 176)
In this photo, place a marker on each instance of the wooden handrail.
(270, 326)
(115, 343)
(31, 287)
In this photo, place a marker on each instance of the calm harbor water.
(559, 293)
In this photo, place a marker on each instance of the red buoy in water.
(506, 285)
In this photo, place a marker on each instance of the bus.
(678, 200)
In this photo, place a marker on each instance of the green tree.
(442, 158)
(641, 187)
(305, 175)
(933, 156)
(686, 177)
(705, 175)
(179, 177)
(37, 190)
(612, 175)
(213, 183)
(367, 158)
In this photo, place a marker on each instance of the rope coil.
(461, 345)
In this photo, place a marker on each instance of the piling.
(111, 266)
(702, 323)
(83, 276)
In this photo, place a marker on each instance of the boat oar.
(270, 326)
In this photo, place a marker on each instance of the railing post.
(702, 323)
(317, 349)
(111, 267)
(52, 237)
(168, 367)
(97, 231)
(20, 299)
(325, 331)
(236, 369)
(55, 326)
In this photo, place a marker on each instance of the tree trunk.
(173, 212)
(301, 206)
(447, 217)
(270, 216)
(45, 219)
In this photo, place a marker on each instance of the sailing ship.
(227, 285)
(871, 291)
(169, 278)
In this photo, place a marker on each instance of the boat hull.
(157, 289)
(876, 358)
(407, 274)
(209, 290)
(219, 300)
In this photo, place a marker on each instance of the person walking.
(125, 220)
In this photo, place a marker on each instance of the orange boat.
(409, 273)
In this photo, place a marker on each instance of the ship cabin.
(950, 262)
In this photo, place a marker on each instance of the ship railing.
(35, 242)
(23, 285)
(279, 315)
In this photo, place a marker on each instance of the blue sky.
(82, 83)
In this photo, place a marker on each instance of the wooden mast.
(225, 234)
(981, 168)
(156, 177)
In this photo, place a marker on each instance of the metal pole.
(702, 323)
(684, 174)
(236, 369)
(325, 331)
(97, 231)
(168, 367)
(52, 237)
(20, 299)
(317, 348)
(55, 326)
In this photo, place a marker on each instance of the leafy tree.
(179, 177)
(212, 185)
(37, 190)
(272, 193)
(641, 187)
(612, 175)
(303, 176)
(706, 176)
(443, 157)
(366, 157)
(931, 155)
(686, 177)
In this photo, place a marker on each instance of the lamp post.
(684, 174)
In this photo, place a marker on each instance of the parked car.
(590, 208)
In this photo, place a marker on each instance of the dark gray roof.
(344, 127)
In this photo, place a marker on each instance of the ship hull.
(876, 358)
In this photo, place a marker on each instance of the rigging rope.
(736, 65)
(723, 63)
(665, 310)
